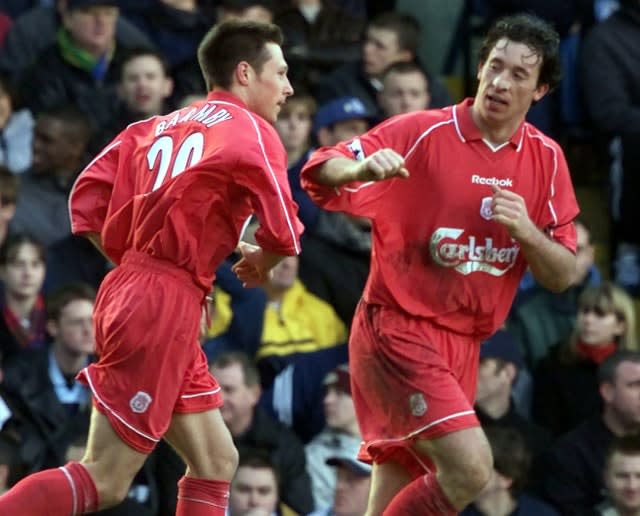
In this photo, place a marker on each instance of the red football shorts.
(150, 363)
(409, 380)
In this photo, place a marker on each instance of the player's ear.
(243, 73)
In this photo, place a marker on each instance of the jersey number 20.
(187, 155)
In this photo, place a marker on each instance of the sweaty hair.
(534, 32)
(405, 27)
(232, 42)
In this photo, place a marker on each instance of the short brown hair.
(232, 42)
(66, 294)
(249, 369)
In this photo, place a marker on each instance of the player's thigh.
(111, 462)
(460, 456)
(387, 479)
(204, 443)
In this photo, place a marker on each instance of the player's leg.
(387, 480)
(206, 446)
(463, 464)
(100, 480)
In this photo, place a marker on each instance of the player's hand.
(251, 269)
(382, 164)
(510, 210)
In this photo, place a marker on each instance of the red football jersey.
(181, 187)
(436, 252)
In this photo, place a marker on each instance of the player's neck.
(495, 133)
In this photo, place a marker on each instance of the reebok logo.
(479, 180)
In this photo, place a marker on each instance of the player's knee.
(221, 466)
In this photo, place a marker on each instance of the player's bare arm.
(552, 264)
(382, 164)
(254, 266)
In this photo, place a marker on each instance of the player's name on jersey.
(208, 115)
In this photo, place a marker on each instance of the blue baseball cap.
(341, 110)
(503, 346)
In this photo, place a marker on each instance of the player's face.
(74, 329)
(144, 85)
(622, 480)
(508, 83)
(23, 274)
(381, 48)
(294, 128)
(253, 488)
(269, 89)
(404, 93)
(92, 28)
(352, 492)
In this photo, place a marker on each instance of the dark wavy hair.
(534, 32)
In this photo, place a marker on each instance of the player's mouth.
(496, 100)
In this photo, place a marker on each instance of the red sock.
(423, 496)
(55, 492)
(198, 497)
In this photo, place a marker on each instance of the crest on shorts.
(140, 402)
(417, 404)
(485, 208)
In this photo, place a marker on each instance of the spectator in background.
(335, 237)
(44, 379)
(22, 270)
(405, 88)
(622, 478)
(572, 478)
(341, 436)
(606, 323)
(143, 90)
(11, 469)
(294, 126)
(256, 10)
(319, 36)
(16, 131)
(353, 482)
(35, 29)
(252, 428)
(504, 494)
(254, 489)
(541, 319)
(82, 66)
(9, 186)
(61, 137)
(611, 79)
(389, 38)
(501, 365)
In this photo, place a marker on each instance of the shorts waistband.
(148, 263)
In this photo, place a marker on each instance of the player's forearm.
(336, 172)
(552, 264)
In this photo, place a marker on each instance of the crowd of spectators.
(558, 386)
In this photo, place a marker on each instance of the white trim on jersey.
(553, 177)
(273, 176)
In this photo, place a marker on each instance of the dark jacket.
(287, 454)
(26, 378)
(611, 87)
(349, 80)
(573, 468)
